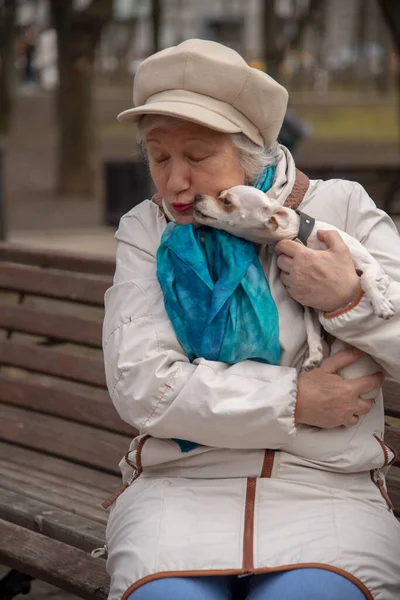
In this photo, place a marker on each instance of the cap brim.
(183, 110)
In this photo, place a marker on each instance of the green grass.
(117, 130)
(356, 123)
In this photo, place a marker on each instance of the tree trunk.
(274, 43)
(7, 36)
(272, 39)
(362, 64)
(391, 14)
(156, 24)
(78, 35)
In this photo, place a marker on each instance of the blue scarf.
(217, 296)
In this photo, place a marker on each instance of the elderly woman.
(247, 479)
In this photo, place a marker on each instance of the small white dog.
(247, 212)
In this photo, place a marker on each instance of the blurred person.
(27, 53)
(280, 492)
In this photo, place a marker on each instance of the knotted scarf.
(217, 296)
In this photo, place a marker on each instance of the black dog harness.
(306, 226)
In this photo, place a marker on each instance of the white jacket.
(259, 493)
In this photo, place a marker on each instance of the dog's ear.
(278, 220)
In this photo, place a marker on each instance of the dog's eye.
(226, 201)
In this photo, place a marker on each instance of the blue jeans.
(297, 584)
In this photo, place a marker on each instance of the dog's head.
(243, 211)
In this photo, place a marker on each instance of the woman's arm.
(356, 323)
(152, 383)
(156, 389)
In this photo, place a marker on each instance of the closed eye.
(197, 159)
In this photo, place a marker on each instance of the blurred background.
(68, 170)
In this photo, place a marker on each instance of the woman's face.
(190, 160)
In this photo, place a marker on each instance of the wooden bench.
(60, 437)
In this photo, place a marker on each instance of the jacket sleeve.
(357, 324)
(153, 385)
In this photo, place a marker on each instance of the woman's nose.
(178, 177)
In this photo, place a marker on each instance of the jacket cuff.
(345, 309)
(349, 319)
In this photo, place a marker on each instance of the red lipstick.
(179, 207)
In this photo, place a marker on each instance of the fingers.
(362, 408)
(362, 385)
(285, 263)
(351, 420)
(341, 359)
(288, 247)
(285, 278)
(330, 237)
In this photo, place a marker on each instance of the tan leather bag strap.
(299, 190)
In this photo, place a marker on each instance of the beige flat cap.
(210, 84)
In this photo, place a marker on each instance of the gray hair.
(252, 158)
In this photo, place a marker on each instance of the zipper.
(137, 471)
(395, 453)
(378, 481)
(248, 533)
(268, 463)
(111, 499)
(385, 447)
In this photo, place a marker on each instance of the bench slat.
(93, 408)
(66, 567)
(83, 369)
(54, 326)
(56, 260)
(66, 470)
(391, 396)
(51, 521)
(74, 497)
(80, 443)
(87, 289)
(77, 490)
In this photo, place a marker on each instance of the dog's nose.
(197, 198)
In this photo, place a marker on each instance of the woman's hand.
(326, 400)
(322, 279)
